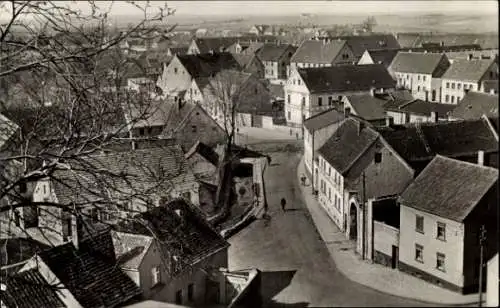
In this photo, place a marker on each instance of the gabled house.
(360, 43)
(420, 73)
(321, 53)
(473, 105)
(311, 90)
(416, 110)
(276, 59)
(317, 130)
(466, 75)
(356, 165)
(441, 218)
(367, 106)
(419, 143)
(172, 254)
(179, 74)
(378, 56)
(250, 64)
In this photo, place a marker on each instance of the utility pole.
(364, 215)
(482, 238)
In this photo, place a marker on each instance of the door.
(395, 256)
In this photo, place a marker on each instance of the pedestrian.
(283, 203)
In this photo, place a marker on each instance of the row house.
(441, 218)
(355, 165)
(276, 60)
(321, 53)
(312, 90)
(317, 130)
(466, 75)
(420, 73)
(474, 105)
(416, 111)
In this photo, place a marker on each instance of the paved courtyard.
(297, 268)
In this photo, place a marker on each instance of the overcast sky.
(245, 8)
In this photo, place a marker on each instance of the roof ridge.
(461, 162)
(421, 135)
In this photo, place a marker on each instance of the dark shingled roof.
(242, 59)
(383, 56)
(315, 51)
(474, 104)
(360, 43)
(347, 145)
(28, 289)
(367, 106)
(415, 62)
(14, 250)
(205, 65)
(422, 141)
(273, 52)
(346, 78)
(323, 119)
(91, 279)
(180, 227)
(204, 150)
(449, 188)
(468, 70)
(420, 107)
(219, 44)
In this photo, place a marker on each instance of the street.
(297, 270)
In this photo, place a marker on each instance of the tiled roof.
(315, 51)
(367, 106)
(347, 144)
(242, 59)
(253, 48)
(92, 280)
(144, 171)
(219, 44)
(273, 52)
(204, 150)
(130, 249)
(205, 65)
(28, 289)
(153, 113)
(415, 62)
(383, 56)
(181, 228)
(7, 129)
(360, 43)
(489, 85)
(468, 70)
(449, 188)
(420, 107)
(346, 78)
(422, 141)
(323, 119)
(14, 250)
(474, 104)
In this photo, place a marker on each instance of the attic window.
(378, 158)
(22, 187)
(193, 128)
(175, 70)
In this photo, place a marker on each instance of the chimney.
(469, 57)
(434, 117)
(480, 158)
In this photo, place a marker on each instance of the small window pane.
(441, 231)
(440, 261)
(419, 222)
(419, 253)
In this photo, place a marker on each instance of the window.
(419, 224)
(452, 99)
(155, 276)
(419, 253)
(378, 158)
(424, 77)
(440, 258)
(329, 194)
(320, 101)
(289, 116)
(418, 88)
(193, 128)
(303, 101)
(288, 99)
(339, 98)
(447, 85)
(329, 170)
(141, 131)
(175, 70)
(459, 86)
(418, 77)
(453, 85)
(335, 203)
(17, 218)
(441, 231)
(330, 101)
(150, 130)
(22, 187)
(44, 189)
(447, 98)
(178, 297)
(190, 292)
(186, 195)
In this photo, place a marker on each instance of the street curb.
(359, 281)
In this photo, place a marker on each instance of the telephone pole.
(482, 238)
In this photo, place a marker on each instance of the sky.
(246, 8)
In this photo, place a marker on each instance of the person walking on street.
(283, 203)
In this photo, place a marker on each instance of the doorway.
(353, 226)
(395, 256)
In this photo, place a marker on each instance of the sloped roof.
(219, 44)
(204, 150)
(346, 78)
(449, 188)
(468, 70)
(154, 113)
(383, 56)
(367, 106)
(92, 280)
(346, 145)
(273, 52)
(315, 51)
(420, 107)
(277, 90)
(205, 65)
(179, 50)
(130, 249)
(28, 289)
(360, 43)
(253, 48)
(180, 227)
(415, 62)
(7, 129)
(15, 250)
(474, 104)
(243, 59)
(323, 119)
(422, 141)
(489, 85)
